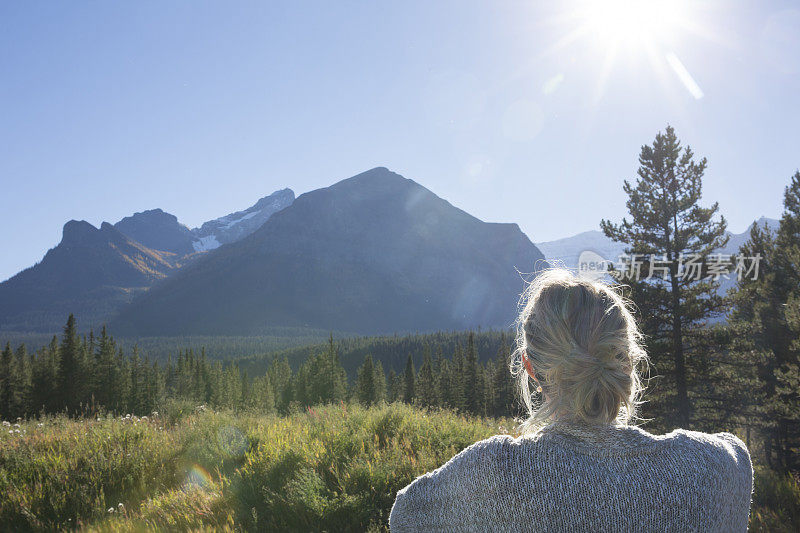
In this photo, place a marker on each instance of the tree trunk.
(677, 351)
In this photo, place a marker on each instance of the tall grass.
(57, 473)
(331, 468)
(776, 502)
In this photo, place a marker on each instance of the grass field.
(331, 468)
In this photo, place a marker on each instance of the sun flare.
(646, 28)
(632, 22)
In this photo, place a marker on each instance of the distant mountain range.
(566, 251)
(376, 253)
(93, 272)
(162, 231)
(373, 254)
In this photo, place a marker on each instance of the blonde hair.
(582, 342)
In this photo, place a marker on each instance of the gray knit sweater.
(576, 478)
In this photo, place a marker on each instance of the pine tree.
(409, 378)
(262, 397)
(336, 377)
(481, 388)
(442, 379)
(668, 226)
(10, 385)
(380, 382)
(471, 387)
(70, 371)
(280, 377)
(25, 374)
(425, 387)
(233, 387)
(756, 327)
(764, 328)
(122, 386)
(136, 380)
(787, 372)
(321, 379)
(501, 396)
(365, 382)
(393, 383)
(458, 399)
(105, 369)
(44, 380)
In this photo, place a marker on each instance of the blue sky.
(527, 112)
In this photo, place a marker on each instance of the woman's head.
(582, 344)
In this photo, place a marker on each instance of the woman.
(580, 464)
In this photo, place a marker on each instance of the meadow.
(325, 468)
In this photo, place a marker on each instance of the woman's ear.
(528, 367)
(531, 373)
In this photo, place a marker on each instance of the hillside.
(376, 253)
(90, 272)
(391, 351)
(93, 272)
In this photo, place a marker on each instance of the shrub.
(776, 502)
(58, 473)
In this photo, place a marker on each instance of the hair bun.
(581, 337)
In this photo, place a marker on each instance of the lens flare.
(649, 29)
(686, 79)
(197, 476)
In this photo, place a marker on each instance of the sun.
(645, 28)
(628, 23)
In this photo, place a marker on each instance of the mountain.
(567, 250)
(162, 231)
(240, 224)
(93, 272)
(738, 239)
(158, 230)
(375, 253)
(90, 273)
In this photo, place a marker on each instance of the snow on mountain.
(238, 225)
(204, 244)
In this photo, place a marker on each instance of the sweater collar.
(602, 439)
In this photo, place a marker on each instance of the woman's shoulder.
(435, 499)
(725, 444)
(473, 456)
(724, 448)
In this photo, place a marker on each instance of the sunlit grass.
(334, 467)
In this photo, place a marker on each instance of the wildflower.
(144, 418)
(16, 425)
(110, 509)
(40, 424)
(121, 507)
(155, 413)
(6, 423)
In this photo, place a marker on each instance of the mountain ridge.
(376, 252)
(93, 271)
(90, 272)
